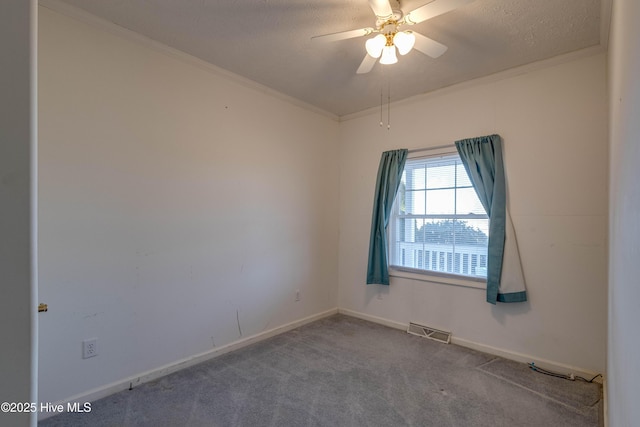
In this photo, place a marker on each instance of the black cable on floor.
(563, 376)
(589, 381)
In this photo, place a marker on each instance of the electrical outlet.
(89, 348)
(298, 295)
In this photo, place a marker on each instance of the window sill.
(441, 278)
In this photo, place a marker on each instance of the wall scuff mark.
(238, 320)
(93, 315)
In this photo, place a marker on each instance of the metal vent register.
(431, 333)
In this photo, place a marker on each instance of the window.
(438, 223)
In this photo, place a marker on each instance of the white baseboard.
(550, 365)
(507, 354)
(153, 374)
(374, 319)
(136, 380)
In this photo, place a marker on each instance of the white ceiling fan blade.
(433, 9)
(343, 35)
(367, 64)
(428, 46)
(381, 8)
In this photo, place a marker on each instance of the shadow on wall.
(376, 292)
(502, 311)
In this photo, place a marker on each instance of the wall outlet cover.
(89, 348)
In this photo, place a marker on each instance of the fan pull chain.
(380, 106)
(389, 108)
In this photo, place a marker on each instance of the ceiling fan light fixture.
(389, 55)
(382, 47)
(375, 45)
(404, 41)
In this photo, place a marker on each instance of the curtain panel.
(387, 183)
(482, 159)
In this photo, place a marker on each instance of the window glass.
(438, 223)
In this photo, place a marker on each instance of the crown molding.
(85, 17)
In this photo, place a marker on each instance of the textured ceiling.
(269, 41)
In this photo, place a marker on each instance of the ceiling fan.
(390, 35)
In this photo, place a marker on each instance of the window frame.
(430, 275)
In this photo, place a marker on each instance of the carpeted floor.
(342, 371)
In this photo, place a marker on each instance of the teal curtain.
(482, 158)
(387, 183)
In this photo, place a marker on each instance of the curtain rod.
(432, 148)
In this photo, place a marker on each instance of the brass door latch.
(43, 307)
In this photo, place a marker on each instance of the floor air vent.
(427, 332)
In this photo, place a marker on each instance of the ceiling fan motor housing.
(383, 24)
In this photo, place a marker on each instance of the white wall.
(554, 125)
(179, 210)
(624, 273)
(18, 142)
